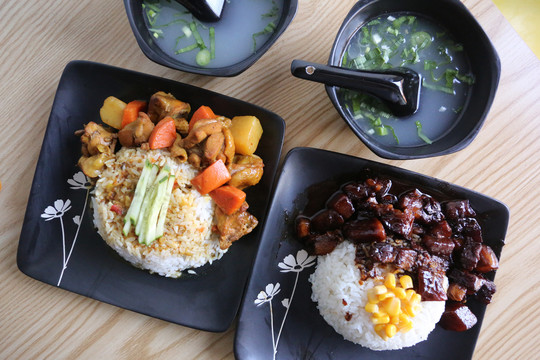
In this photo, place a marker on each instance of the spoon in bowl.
(204, 10)
(399, 88)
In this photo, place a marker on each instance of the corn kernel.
(392, 306)
(386, 296)
(379, 327)
(399, 292)
(394, 320)
(404, 327)
(372, 308)
(384, 319)
(390, 330)
(408, 294)
(404, 318)
(411, 310)
(406, 282)
(372, 297)
(380, 289)
(390, 281)
(415, 299)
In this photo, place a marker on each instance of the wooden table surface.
(40, 38)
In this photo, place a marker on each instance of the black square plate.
(299, 332)
(58, 225)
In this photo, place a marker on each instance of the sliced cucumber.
(148, 232)
(152, 180)
(165, 207)
(135, 207)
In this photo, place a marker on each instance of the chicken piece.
(137, 132)
(91, 166)
(229, 149)
(233, 227)
(246, 170)
(201, 130)
(213, 146)
(96, 140)
(162, 105)
(177, 150)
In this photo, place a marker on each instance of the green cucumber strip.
(140, 189)
(149, 231)
(146, 200)
(165, 207)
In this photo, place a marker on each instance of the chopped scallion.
(421, 134)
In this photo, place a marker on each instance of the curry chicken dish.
(168, 187)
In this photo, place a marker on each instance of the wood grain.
(40, 38)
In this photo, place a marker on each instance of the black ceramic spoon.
(204, 10)
(399, 88)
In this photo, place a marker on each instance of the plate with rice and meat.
(360, 259)
(149, 194)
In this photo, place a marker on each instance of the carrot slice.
(228, 198)
(202, 113)
(211, 178)
(163, 135)
(132, 110)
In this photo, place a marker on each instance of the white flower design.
(289, 264)
(60, 207)
(57, 210)
(292, 264)
(268, 295)
(79, 181)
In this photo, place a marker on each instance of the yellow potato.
(247, 132)
(112, 111)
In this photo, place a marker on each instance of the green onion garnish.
(421, 134)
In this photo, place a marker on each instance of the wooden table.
(40, 38)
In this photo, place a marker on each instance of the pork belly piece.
(322, 244)
(457, 317)
(364, 230)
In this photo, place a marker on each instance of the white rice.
(188, 240)
(336, 279)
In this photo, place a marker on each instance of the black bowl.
(153, 52)
(483, 58)
(208, 300)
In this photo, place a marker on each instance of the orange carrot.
(132, 110)
(202, 113)
(163, 135)
(211, 178)
(228, 198)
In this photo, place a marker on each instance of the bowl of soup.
(170, 35)
(445, 45)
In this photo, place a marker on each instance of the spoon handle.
(387, 86)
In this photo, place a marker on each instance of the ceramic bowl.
(150, 48)
(484, 62)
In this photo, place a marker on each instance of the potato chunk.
(112, 111)
(247, 132)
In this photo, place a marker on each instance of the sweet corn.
(372, 308)
(383, 319)
(406, 282)
(385, 296)
(390, 281)
(399, 292)
(392, 305)
(390, 330)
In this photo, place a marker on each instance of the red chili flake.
(344, 302)
(117, 209)
(348, 316)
